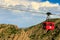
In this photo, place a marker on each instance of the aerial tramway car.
(48, 25)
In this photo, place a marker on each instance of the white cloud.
(54, 16)
(17, 5)
(37, 5)
(13, 2)
(28, 4)
(9, 2)
(48, 4)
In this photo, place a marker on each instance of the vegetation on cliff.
(36, 32)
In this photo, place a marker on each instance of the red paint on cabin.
(49, 25)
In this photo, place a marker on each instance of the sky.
(26, 13)
(52, 1)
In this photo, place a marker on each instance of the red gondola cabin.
(49, 25)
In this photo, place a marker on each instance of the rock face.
(36, 32)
